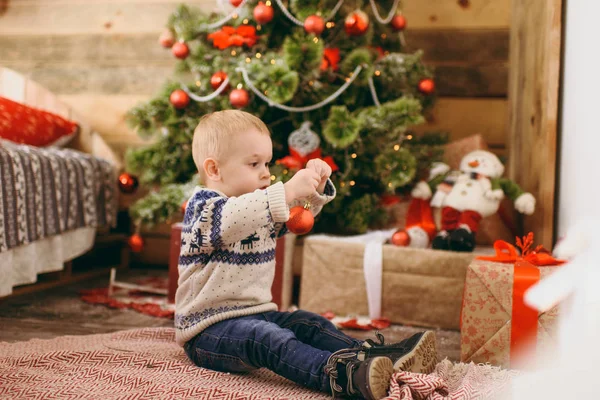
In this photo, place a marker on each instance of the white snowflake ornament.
(303, 140)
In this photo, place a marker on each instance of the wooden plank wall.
(534, 106)
(102, 57)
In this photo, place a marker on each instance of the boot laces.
(372, 343)
(344, 356)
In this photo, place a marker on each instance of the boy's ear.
(211, 170)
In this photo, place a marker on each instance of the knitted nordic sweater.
(227, 258)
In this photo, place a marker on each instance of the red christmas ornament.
(136, 242)
(127, 183)
(314, 24)
(263, 13)
(180, 50)
(166, 39)
(235, 3)
(356, 23)
(301, 220)
(217, 79)
(400, 238)
(179, 99)
(399, 22)
(184, 207)
(426, 86)
(239, 98)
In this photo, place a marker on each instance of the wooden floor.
(59, 311)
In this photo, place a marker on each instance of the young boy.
(224, 318)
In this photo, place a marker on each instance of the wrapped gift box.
(496, 325)
(420, 287)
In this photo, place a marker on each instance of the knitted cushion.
(22, 124)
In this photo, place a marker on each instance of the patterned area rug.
(146, 363)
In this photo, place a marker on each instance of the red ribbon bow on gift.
(296, 161)
(524, 321)
(507, 253)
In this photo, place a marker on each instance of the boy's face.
(245, 166)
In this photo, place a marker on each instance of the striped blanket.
(47, 191)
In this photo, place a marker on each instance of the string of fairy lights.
(237, 11)
(351, 78)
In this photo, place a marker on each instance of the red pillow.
(22, 124)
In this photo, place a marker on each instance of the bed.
(53, 200)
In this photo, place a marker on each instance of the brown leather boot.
(369, 379)
(416, 353)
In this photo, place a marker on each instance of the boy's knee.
(307, 315)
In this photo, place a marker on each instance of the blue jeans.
(295, 345)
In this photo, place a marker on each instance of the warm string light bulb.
(258, 55)
(396, 147)
(377, 73)
(353, 155)
(233, 52)
(239, 86)
(273, 177)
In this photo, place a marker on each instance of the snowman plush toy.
(467, 196)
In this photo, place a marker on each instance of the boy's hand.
(302, 185)
(321, 168)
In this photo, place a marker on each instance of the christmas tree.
(332, 79)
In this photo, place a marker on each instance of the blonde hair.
(215, 132)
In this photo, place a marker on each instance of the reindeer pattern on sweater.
(227, 258)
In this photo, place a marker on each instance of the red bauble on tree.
(239, 98)
(136, 242)
(400, 238)
(263, 13)
(217, 79)
(179, 99)
(399, 23)
(180, 50)
(127, 183)
(356, 23)
(426, 86)
(301, 220)
(166, 39)
(235, 3)
(314, 24)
